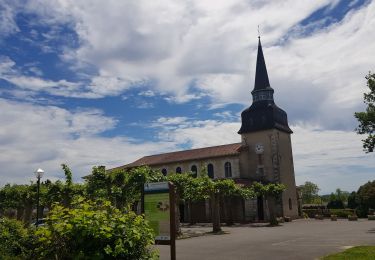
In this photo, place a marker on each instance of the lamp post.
(39, 174)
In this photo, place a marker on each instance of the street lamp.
(38, 174)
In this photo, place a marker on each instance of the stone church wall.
(276, 164)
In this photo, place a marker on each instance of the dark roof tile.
(186, 155)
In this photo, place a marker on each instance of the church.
(264, 154)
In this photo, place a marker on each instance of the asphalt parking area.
(300, 239)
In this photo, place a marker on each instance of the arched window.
(194, 170)
(164, 171)
(228, 169)
(210, 170)
(290, 204)
(178, 170)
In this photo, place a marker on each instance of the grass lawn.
(358, 252)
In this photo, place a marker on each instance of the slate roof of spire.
(186, 155)
(263, 114)
(261, 75)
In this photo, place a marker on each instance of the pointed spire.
(261, 76)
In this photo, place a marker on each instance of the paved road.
(300, 239)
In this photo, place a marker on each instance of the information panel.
(157, 209)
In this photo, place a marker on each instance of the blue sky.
(103, 83)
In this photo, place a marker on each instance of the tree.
(352, 200)
(366, 198)
(97, 183)
(309, 192)
(338, 199)
(367, 119)
(271, 193)
(202, 187)
(187, 189)
(19, 197)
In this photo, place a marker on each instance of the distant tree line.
(362, 201)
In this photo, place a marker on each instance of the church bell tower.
(265, 134)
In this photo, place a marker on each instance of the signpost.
(159, 209)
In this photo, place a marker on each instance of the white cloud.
(33, 136)
(323, 74)
(333, 159)
(7, 23)
(147, 93)
(172, 44)
(10, 72)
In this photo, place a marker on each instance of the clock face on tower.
(259, 149)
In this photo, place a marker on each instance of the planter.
(287, 219)
(320, 217)
(371, 217)
(280, 219)
(333, 217)
(352, 218)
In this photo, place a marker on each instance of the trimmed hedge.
(340, 213)
(311, 213)
(343, 213)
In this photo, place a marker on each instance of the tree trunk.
(190, 212)
(177, 215)
(215, 200)
(229, 212)
(271, 208)
(28, 212)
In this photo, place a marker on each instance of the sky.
(106, 82)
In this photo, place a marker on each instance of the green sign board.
(157, 209)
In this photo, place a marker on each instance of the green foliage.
(270, 189)
(97, 182)
(366, 198)
(19, 197)
(312, 212)
(337, 200)
(188, 187)
(342, 213)
(367, 119)
(202, 187)
(68, 174)
(14, 239)
(93, 230)
(352, 200)
(122, 188)
(354, 253)
(15, 196)
(309, 192)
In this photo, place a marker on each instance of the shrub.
(342, 213)
(94, 230)
(312, 212)
(14, 239)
